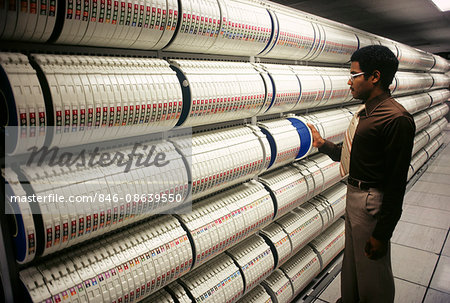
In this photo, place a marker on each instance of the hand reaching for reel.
(318, 141)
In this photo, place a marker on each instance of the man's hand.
(318, 141)
(375, 249)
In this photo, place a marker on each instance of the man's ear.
(376, 77)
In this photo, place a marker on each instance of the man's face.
(359, 86)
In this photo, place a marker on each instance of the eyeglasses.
(353, 76)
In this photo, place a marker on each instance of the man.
(377, 161)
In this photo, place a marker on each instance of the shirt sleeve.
(332, 150)
(399, 140)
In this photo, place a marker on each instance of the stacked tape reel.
(134, 248)
(308, 220)
(433, 146)
(177, 292)
(415, 103)
(414, 59)
(335, 196)
(424, 118)
(225, 157)
(310, 40)
(338, 46)
(421, 139)
(288, 186)
(436, 128)
(66, 225)
(198, 28)
(145, 258)
(441, 65)
(312, 87)
(160, 296)
(255, 260)
(23, 104)
(313, 176)
(293, 185)
(317, 172)
(246, 29)
(329, 170)
(219, 91)
(439, 96)
(90, 99)
(126, 24)
(329, 243)
(287, 42)
(28, 20)
(256, 295)
(219, 222)
(336, 87)
(24, 237)
(407, 83)
(296, 273)
(281, 245)
(417, 161)
(308, 262)
(105, 197)
(138, 277)
(286, 88)
(301, 268)
(278, 287)
(421, 120)
(222, 27)
(437, 112)
(101, 98)
(220, 281)
(429, 125)
(426, 142)
(331, 124)
(125, 267)
(305, 136)
(301, 228)
(288, 140)
(249, 28)
(322, 206)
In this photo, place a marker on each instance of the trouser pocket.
(373, 201)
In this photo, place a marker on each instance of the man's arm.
(399, 140)
(325, 146)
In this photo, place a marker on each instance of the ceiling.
(414, 22)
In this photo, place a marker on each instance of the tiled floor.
(421, 241)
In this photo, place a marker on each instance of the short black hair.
(377, 57)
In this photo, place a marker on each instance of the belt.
(362, 184)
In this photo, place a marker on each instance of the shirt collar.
(373, 103)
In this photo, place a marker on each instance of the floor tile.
(441, 277)
(441, 159)
(418, 236)
(333, 291)
(408, 292)
(430, 187)
(446, 250)
(429, 200)
(402, 259)
(435, 178)
(440, 169)
(434, 296)
(445, 152)
(426, 216)
(441, 164)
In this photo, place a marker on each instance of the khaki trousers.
(362, 279)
